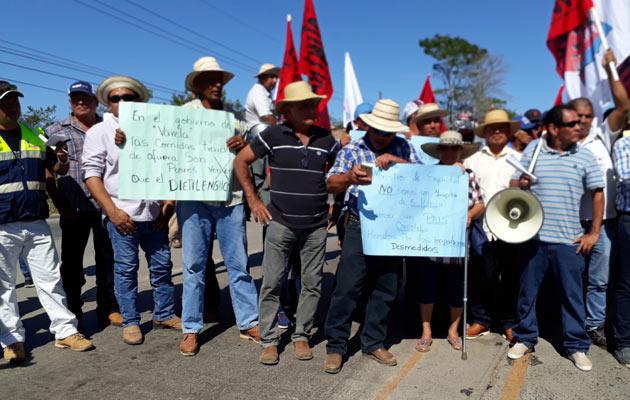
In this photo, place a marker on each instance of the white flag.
(351, 93)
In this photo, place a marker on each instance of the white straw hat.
(428, 110)
(497, 117)
(295, 92)
(384, 117)
(268, 69)
(206, 64)
(121, 81)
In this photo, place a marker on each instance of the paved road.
(227, 367)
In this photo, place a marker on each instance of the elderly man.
(494, 281)
(130, 223)
(297, 214)
(428, 119)
(24, 232)
(565, 172)
(198, 219)
(79, 215)
(358, 272)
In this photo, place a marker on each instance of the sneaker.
(189, 345)
(581, 361)
(598, 336)
(76, 342)
(622, 355)
(518, 350)
(283, 320)
(173, 323)
(28, 282)
(14, 353)
(250, 334)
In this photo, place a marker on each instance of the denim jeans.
(126, 263)
(622, 284)
(598, 272)
(24, 268)
(536, 259)
(197, 221)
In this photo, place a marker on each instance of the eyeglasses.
(569, 124)
(126, 97)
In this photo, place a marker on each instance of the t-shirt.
(258, 104)
(13, 138)
(602, 154)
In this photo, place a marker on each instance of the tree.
(234, 106)
(40, 117)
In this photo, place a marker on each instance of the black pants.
(621, 280)
(75, 233)
(358, 273)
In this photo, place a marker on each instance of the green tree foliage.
(234, 106)
(40, 117)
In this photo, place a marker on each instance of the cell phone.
(367, 168)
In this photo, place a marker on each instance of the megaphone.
(514, 215)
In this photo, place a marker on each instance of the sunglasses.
(126, 97)
(570, 124)
(382, 133)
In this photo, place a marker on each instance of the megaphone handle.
(532, 165)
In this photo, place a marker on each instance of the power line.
(34, 85)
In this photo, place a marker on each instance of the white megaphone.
(514, 215)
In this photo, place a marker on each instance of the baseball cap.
(7, 88)
(81, 86)
(410, 109)
(363, 108)
(533, 116)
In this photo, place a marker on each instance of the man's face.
(380, 140)
(430, 126)
(268, 81)
(209, 85)
(303, 112)
(117, 95)
(83, 104)
(586, 115)
(567, 136)
(497, 134)
(10, 110)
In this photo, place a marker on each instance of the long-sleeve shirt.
(621, 159)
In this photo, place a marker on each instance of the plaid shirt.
(358, 152)
(72, 190)
(621, 160)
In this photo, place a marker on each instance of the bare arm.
(588, 240)
(341, 182)
(617, 117)
(475, 213)
(241, 168)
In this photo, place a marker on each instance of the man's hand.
(525, 182)
(120, 138)
(235, 143)
(122, 222)
(586, 241)
(161, 222)
(609, 57)
(61, 151)
(259, 210)
(385, 160)
(335, 212)
(521, 140)
(344, 139)
(359, 176)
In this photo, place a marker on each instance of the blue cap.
(81, 86)
(525, 123)
(363, 108)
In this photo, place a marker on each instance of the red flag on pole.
(290, 68)
(567, 16)
(313, 62)
(427, 96)
(559, 96)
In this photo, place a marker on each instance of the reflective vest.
(23, 179)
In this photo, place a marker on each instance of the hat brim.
(120, 81)
(190, 78)
(11, 91)
(282, 104)
(271, 71)
(383, 124)
(514, 127)
(430, 114)
(433, 149)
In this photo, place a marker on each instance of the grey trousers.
(278, 244)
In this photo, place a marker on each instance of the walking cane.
(464, 353)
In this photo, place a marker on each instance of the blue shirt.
(621, 160)
(562, 180)
(359, 151)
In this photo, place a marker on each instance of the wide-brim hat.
(497, 117)
(206, 64)
(268, 69)
(450, 138)
(296, 92)
(384, 117)
(428, 110)
(121, 81)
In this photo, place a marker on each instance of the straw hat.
(268, 69)
(450, 138)
(497, 117)
(117, 82)
(384, 117)
(296, 92)
(428, 110)
(206, 64)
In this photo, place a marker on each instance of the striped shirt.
(562, 180)
(299, 198)
(621, 159)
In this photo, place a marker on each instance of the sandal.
(424, 345)
(456, 343)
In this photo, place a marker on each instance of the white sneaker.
(581, 361)
(518, 350)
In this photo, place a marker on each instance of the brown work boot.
(508, 335)
(302, 350)
(76, 342)
(383, 356)
(250, 334)
(115, 319)
(14, 353)
(332, 364)
(173, 323)
(476, 330)
(132, 335)
(189, 346)
(269, 355)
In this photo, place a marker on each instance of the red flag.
(313, 62)
(568, 15)
(290, 69)
(559, 97)
(427, 96)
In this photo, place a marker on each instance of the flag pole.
(602, 36)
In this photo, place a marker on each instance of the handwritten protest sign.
(417, 142)
(415, 210)
(355, 134)
(174, 153)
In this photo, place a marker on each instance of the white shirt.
(604, 133)
(258, 104)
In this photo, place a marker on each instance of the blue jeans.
(197, 220)
(598, 272)
(126, 262)
(537, 257)
(24, 268)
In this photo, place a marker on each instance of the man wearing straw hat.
(494, 281)
(130, 223)
(298, 154)
(428, 119)
(358, 272)
(259, 103)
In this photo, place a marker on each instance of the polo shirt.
(299, 199)
(563, 178)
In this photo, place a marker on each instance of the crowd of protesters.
(284, 171)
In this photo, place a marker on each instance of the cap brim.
(383, 124)
(190, 78)
(11, 91)
(270, 71)
(430, 114)
(514, 127)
